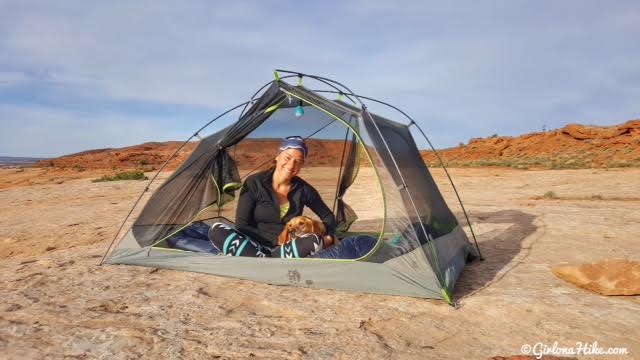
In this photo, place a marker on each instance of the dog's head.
(300, 225)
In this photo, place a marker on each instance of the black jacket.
(258, 211)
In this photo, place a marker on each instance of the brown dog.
(300, 225)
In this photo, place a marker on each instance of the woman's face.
(289, 162)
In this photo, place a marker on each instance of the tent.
(372, 174)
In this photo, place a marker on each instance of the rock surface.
(524, 357)
(57, 303)
(609, 277)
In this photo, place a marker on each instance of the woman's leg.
(197, 230)
(193, 238)
(352, 247)
(232, 243)
(305, 245)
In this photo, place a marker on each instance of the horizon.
(421, 148)
(78, 76)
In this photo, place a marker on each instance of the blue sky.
(77, 75)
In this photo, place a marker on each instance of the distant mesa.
(18, 161)
(248, 153)
(573, 146)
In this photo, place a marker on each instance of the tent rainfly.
(420, 250)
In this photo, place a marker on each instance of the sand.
(57, 303)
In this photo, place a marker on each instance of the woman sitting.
(268, 200)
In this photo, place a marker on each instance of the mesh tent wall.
(421, 248)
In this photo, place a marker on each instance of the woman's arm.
(244, 211)
(317, 205)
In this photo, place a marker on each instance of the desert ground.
(58, 303)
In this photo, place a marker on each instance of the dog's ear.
(318, 227)
(284, 235)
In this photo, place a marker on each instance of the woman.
(267, 201)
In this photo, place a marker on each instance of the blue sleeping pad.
(193, 238)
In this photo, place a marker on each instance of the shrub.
(127, 175)
(622, 164)
(550, 195)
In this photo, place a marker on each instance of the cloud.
(46, 132)
(12, 78)
(507, 67)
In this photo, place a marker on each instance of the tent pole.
(372, 99)
(135, 204)
(258, 91)
(455, 190)
(294, 74)
(413, 204)
(326, 81)
(361, 142)
(344, 148)
(364, 109)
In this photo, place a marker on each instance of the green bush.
(127, 175)
(550, 195)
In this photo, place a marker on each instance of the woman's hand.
(329, 240)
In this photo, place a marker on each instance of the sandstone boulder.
(608, 277)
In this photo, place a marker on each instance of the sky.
(79, 75)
